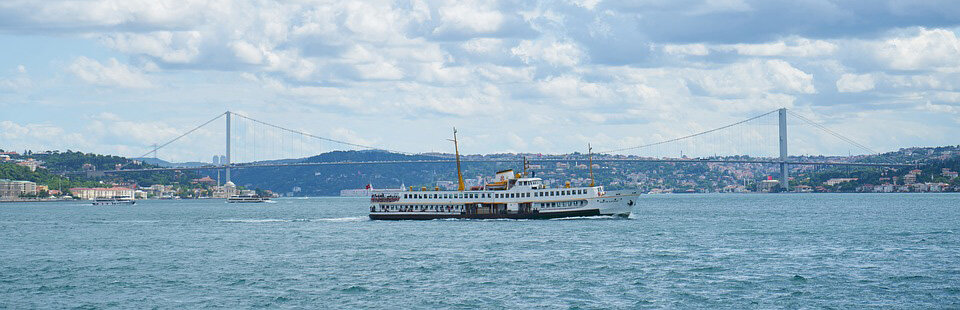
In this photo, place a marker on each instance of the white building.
(101, 192)
(13, 189)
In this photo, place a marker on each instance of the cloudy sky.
(116, 76)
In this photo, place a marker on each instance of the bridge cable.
(688, 136)
(326, 139)
(183, 135)
(835, 134)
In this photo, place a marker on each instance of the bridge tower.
(784, 177)
(228, 149)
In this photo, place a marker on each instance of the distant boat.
(115, 200)
(250, 198)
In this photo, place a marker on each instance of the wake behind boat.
(511, 196)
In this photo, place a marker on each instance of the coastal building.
(769, 185)
(369, 190)
(224, 191)
(204, 180)
(803, 189)
(30, 163)
(734, 189)
(937, 187)
(159, 191)
(101, 192)
(447, 185)
(836, 181)
(14, 189)
(909, 178)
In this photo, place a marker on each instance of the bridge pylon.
(227, 164)
(784, 169)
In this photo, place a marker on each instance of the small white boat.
(247, 199)
(115, 200)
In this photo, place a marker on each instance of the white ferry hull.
(620, 205)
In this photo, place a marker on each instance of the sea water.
(733, 251)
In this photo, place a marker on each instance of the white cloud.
(347, 135)
(586, 4)
(686, 49)
(643, 66)
(754, 77)
(570, 89)
(470, 16)
(853, 83)
(168, 46)
(39, 136)
(483, 45)
(927, 50)
(795, 47)
(113, 73)
(553, 52)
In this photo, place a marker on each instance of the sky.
(116, 76)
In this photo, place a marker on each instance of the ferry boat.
(250, 198)
(511, 196)
(115, 200)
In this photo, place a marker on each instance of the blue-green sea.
(824, 251)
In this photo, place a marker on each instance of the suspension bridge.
(252, 143)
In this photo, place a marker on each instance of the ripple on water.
(354, 289)
(697, 251)
(708, 269)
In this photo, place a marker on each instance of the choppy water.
(676, 251)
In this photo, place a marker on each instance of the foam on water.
(344, 219)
